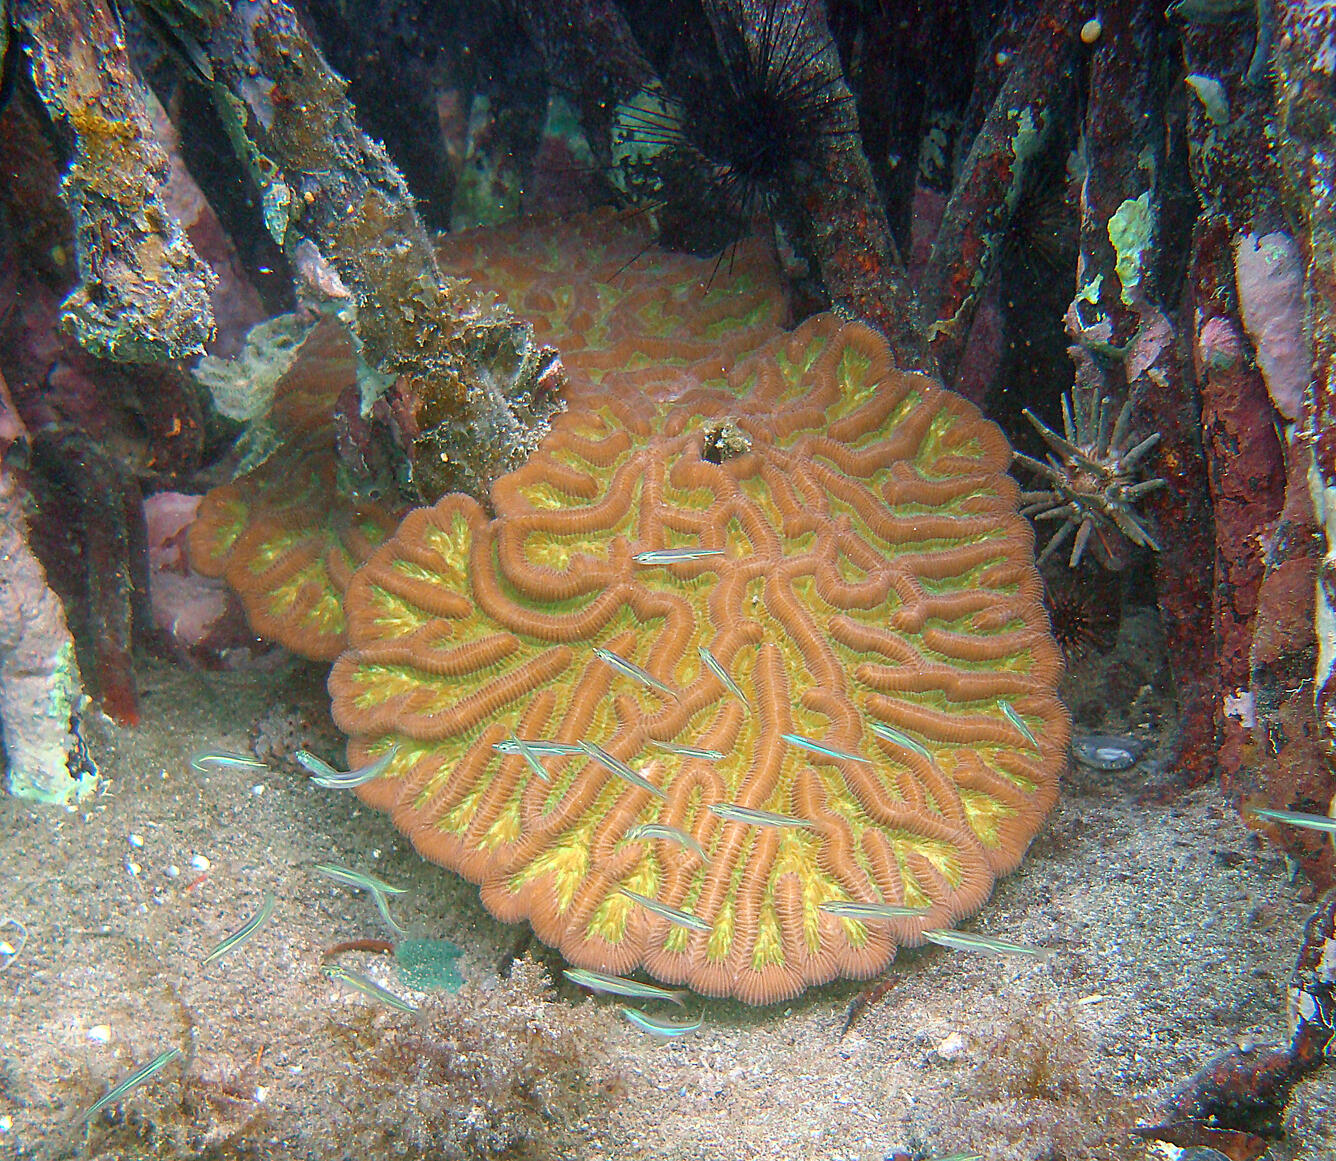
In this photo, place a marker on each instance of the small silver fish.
(672, 834)
(323, 774)
(620, 986)
(986, 944)
(530, 758)
(316, 766)
(134, 1080)
(620, 768)
(1108, 752)
(688, 751)
(731, 812)
(205, 760)
(632, 670)
(715, 666)
(896, 738)
(854, 909)
(672, 914)
(513, 746)
(376, 887)
(664, 1029)
(245, 931)
(675, 555)
(1296, 818)
(825, 751)
(1009, 712)
(361, 879)
(366, 985)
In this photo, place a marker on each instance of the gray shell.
(1108, 751)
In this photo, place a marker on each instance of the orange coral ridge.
(287, 540)
(596, 287)
(285, 536)
(873, 570)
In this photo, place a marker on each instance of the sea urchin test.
(868, 583)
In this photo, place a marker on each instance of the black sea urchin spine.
(739, 119)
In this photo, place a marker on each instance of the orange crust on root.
(873, 569)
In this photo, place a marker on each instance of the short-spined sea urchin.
(1091, 477)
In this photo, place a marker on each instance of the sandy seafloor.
(1173, 933)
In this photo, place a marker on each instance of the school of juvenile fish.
(533, 750)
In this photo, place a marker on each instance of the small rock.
(953, 1047)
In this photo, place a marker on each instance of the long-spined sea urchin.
(731, 127)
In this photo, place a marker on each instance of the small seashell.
(1107, 751)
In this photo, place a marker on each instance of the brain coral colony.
(666, 708)
(749, 635)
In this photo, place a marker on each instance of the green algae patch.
(428, 965)
(1131, 229)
